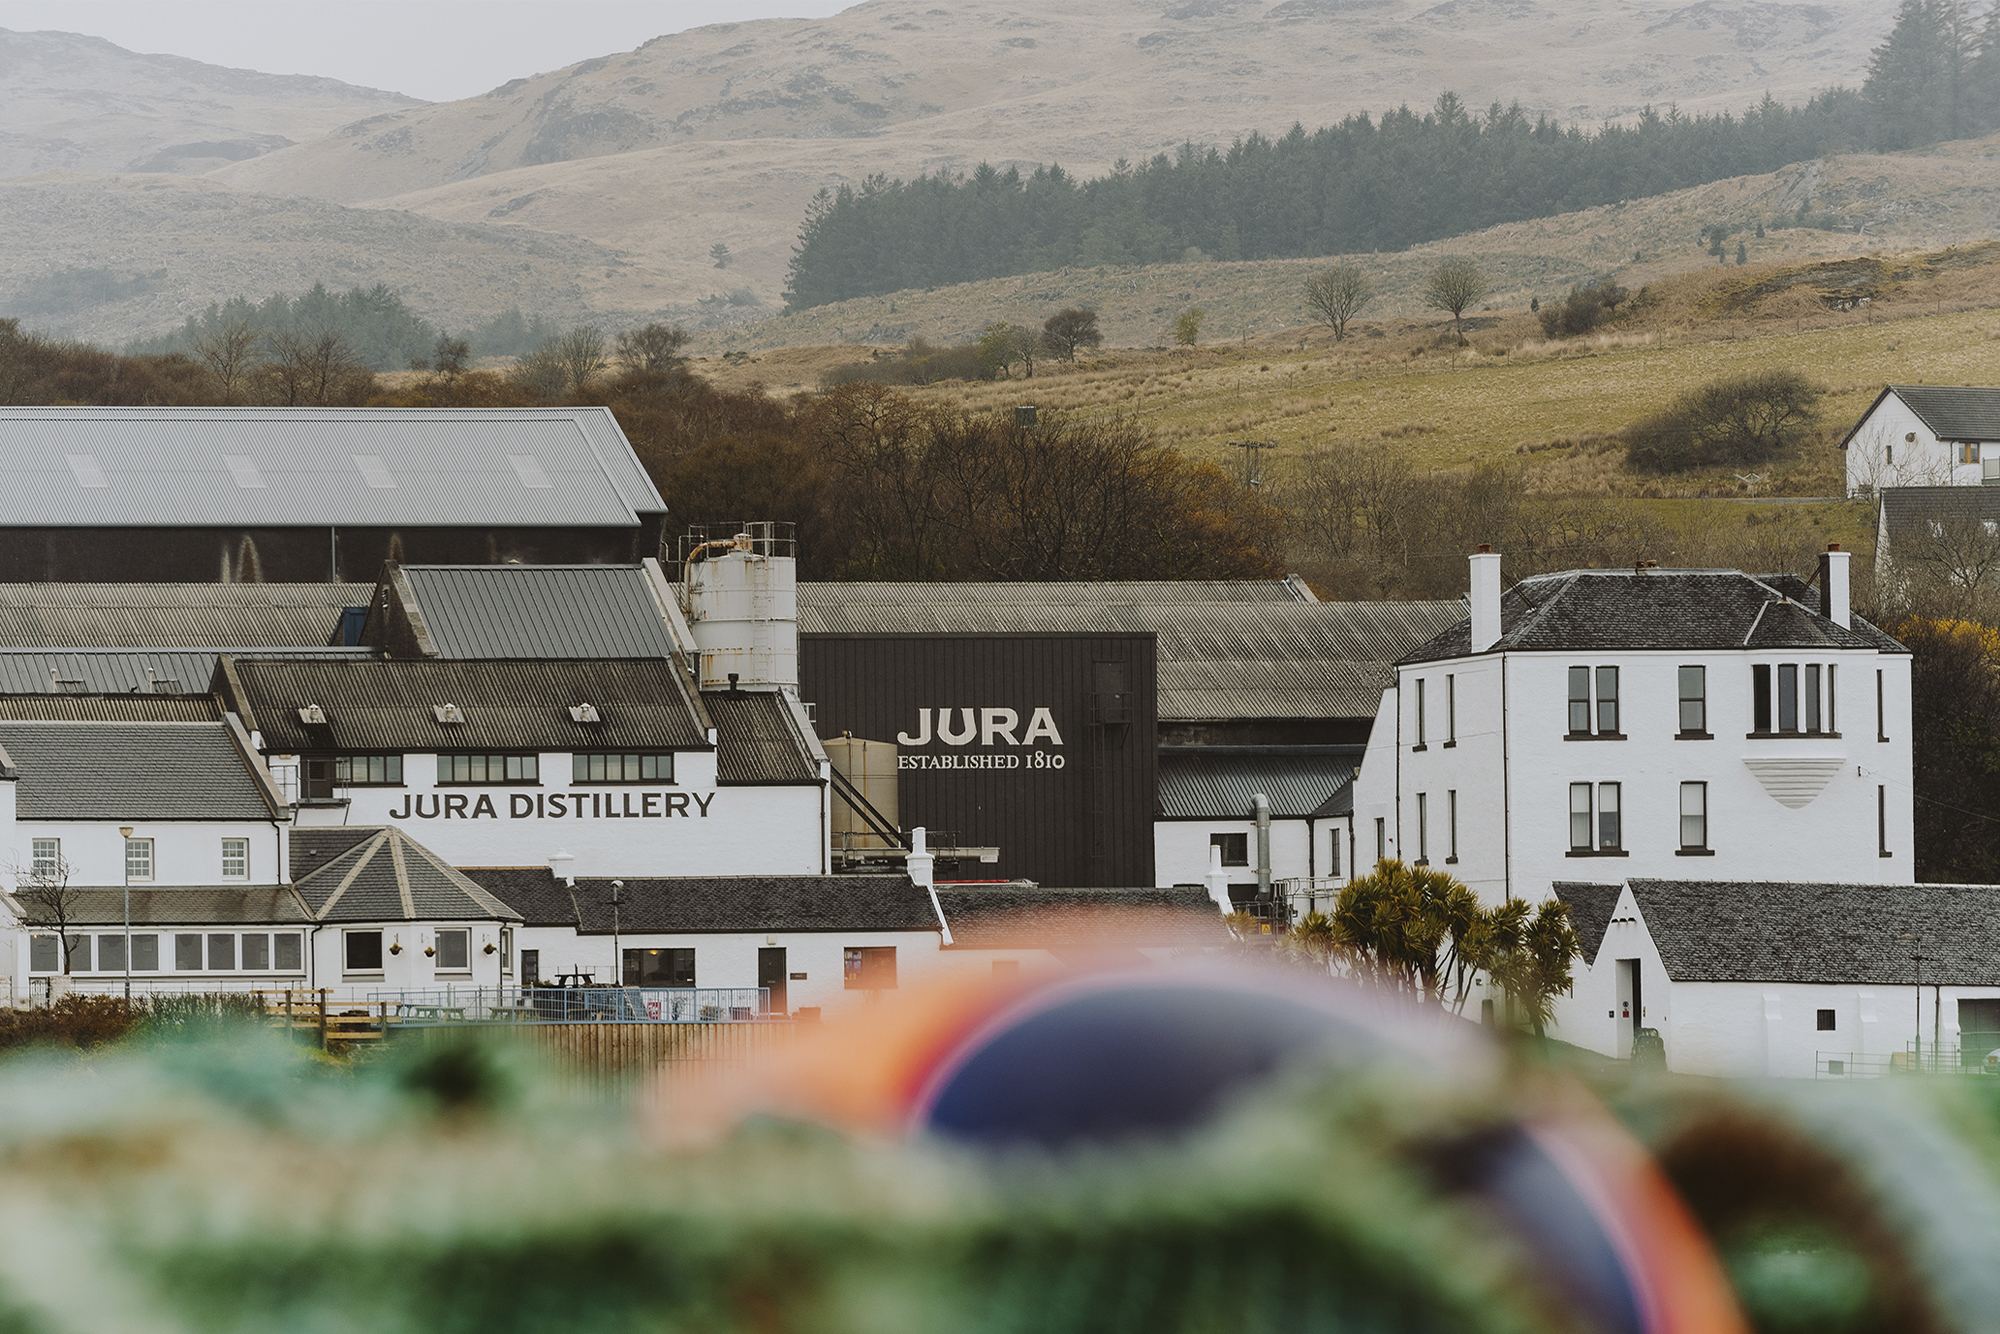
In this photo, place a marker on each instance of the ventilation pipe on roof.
(1260, 806)
(922, 866)
(1833, 600)
(1485, 598)
(1218, 880)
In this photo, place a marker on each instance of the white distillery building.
(606, 768)
(1673, 724)
(1923, 435)
(1798, 980)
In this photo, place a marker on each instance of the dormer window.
(448, 713)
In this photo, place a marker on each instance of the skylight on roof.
(86, 470)
(244, 469)
(374, 471)
(529, 469)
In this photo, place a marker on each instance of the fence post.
(322, 1018)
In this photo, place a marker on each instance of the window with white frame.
(1420, 713)
(1423, 828)
(361, 951)
(367, 770)
(235, 859)
(1792, 697)
(47, 858)
(507, 949)
(1450, 710)
(1451, 824)
(489, 768)
(138, 859)
(454, 953)
(640, 768)
(1694, 817)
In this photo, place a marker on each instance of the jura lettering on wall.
(622, 805)
(987, 727)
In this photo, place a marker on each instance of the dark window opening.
(653, 968)
(364, 951)
(1235, 848)
(1760, 697)
(869, 967)
(1826, 1021)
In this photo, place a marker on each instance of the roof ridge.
(402, 868)
(363, 853)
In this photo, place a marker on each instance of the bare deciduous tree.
(1456, 285)
(313, 368)
(653, 350)
(581, 354)
(1337, 295)
(48, 899)
(230, 353)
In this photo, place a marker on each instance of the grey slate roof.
(758, 741)
(1906, 509)
(194, 905)
(757, 903)
(1217, 782)
(209, 616)
(1019, 916)
(390, 877)
(1218, 659)
(1585, 610)
(532, 891)
(130, 771)
(1590, 909)
(1952, 412)
(313, 846)
(539, 611)
(122, 671)
(387, 705)
(1782, 931)
(354, 467)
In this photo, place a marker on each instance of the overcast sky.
(434, 49)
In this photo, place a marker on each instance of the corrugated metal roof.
(52, 615)
(540, 611)
(51, 708)
(387, 705)
(756, 742)
(1217, 660)
(130, 771)
(1217, 783)
(119, 671)
(282, 467)
(1040, 917)
(393, 878)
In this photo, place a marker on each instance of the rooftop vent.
(244, 469)
(585, 713)
(166, 685)
(375, 472)
(72, 687)
(313, 714)
(448, 713)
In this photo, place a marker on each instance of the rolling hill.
(75, 103)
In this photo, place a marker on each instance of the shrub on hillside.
(1740, 419)
(1582, 311)
(918, 363)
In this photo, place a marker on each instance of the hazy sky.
(433, 49)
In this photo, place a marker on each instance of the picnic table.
(437, 1014)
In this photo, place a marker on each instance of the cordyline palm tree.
(1422, 934)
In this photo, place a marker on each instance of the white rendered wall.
(687, 827)
(409, 969)
(1752, 835)
(1461, 751)
(1375, 786)
(1880, 453)
(184, 852)
(729, 959)
(1180, 850)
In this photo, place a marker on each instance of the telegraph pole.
(1253, 467)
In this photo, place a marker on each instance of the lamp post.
(125, 833)
(617, 956)
(1917, 961)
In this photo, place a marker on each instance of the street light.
(1917, 958)
(125, 832)
(617, 958)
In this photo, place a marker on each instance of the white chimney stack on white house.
(559, 863)
(922, 866)
(1833, 599)
(1485, 599)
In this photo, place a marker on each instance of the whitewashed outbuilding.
(1793, 979)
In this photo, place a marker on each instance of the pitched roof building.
(1924, 435)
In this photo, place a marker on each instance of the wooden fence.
(607, 1059)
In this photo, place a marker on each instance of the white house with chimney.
(1924, 435)
(1673, 724)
